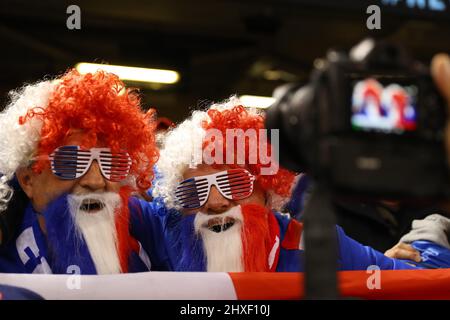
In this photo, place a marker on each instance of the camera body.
(368, 123)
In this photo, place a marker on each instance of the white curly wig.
(180, 151)
(18, 142)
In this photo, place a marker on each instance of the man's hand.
(403, 251)
(440, 70)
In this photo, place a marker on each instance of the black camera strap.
(321, 252)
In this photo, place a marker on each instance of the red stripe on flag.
(267, 285)
(394, 284)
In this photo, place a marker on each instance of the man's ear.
(25, 176)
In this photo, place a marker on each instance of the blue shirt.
(158, 229)
(29, 251)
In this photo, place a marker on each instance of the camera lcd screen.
(384, 106)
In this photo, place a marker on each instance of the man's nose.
(93, 178)
(216, 203)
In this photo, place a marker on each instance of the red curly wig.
(239, 118)
(101, 106)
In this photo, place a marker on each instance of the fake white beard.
(98, 230)
(223, 250)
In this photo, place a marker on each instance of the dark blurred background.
(218, 47)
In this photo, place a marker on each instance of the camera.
(369, 122)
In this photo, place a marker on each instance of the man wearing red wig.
(72, 151)
(229, 194)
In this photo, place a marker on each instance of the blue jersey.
(433, 255)
(155, 228)
(160, 232)
(29, 251)
(351, 254)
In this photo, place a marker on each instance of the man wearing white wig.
(228, 191)
(72, 152)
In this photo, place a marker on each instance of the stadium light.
(256, 101)
(132, 73)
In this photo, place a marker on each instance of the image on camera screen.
(387, 108)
